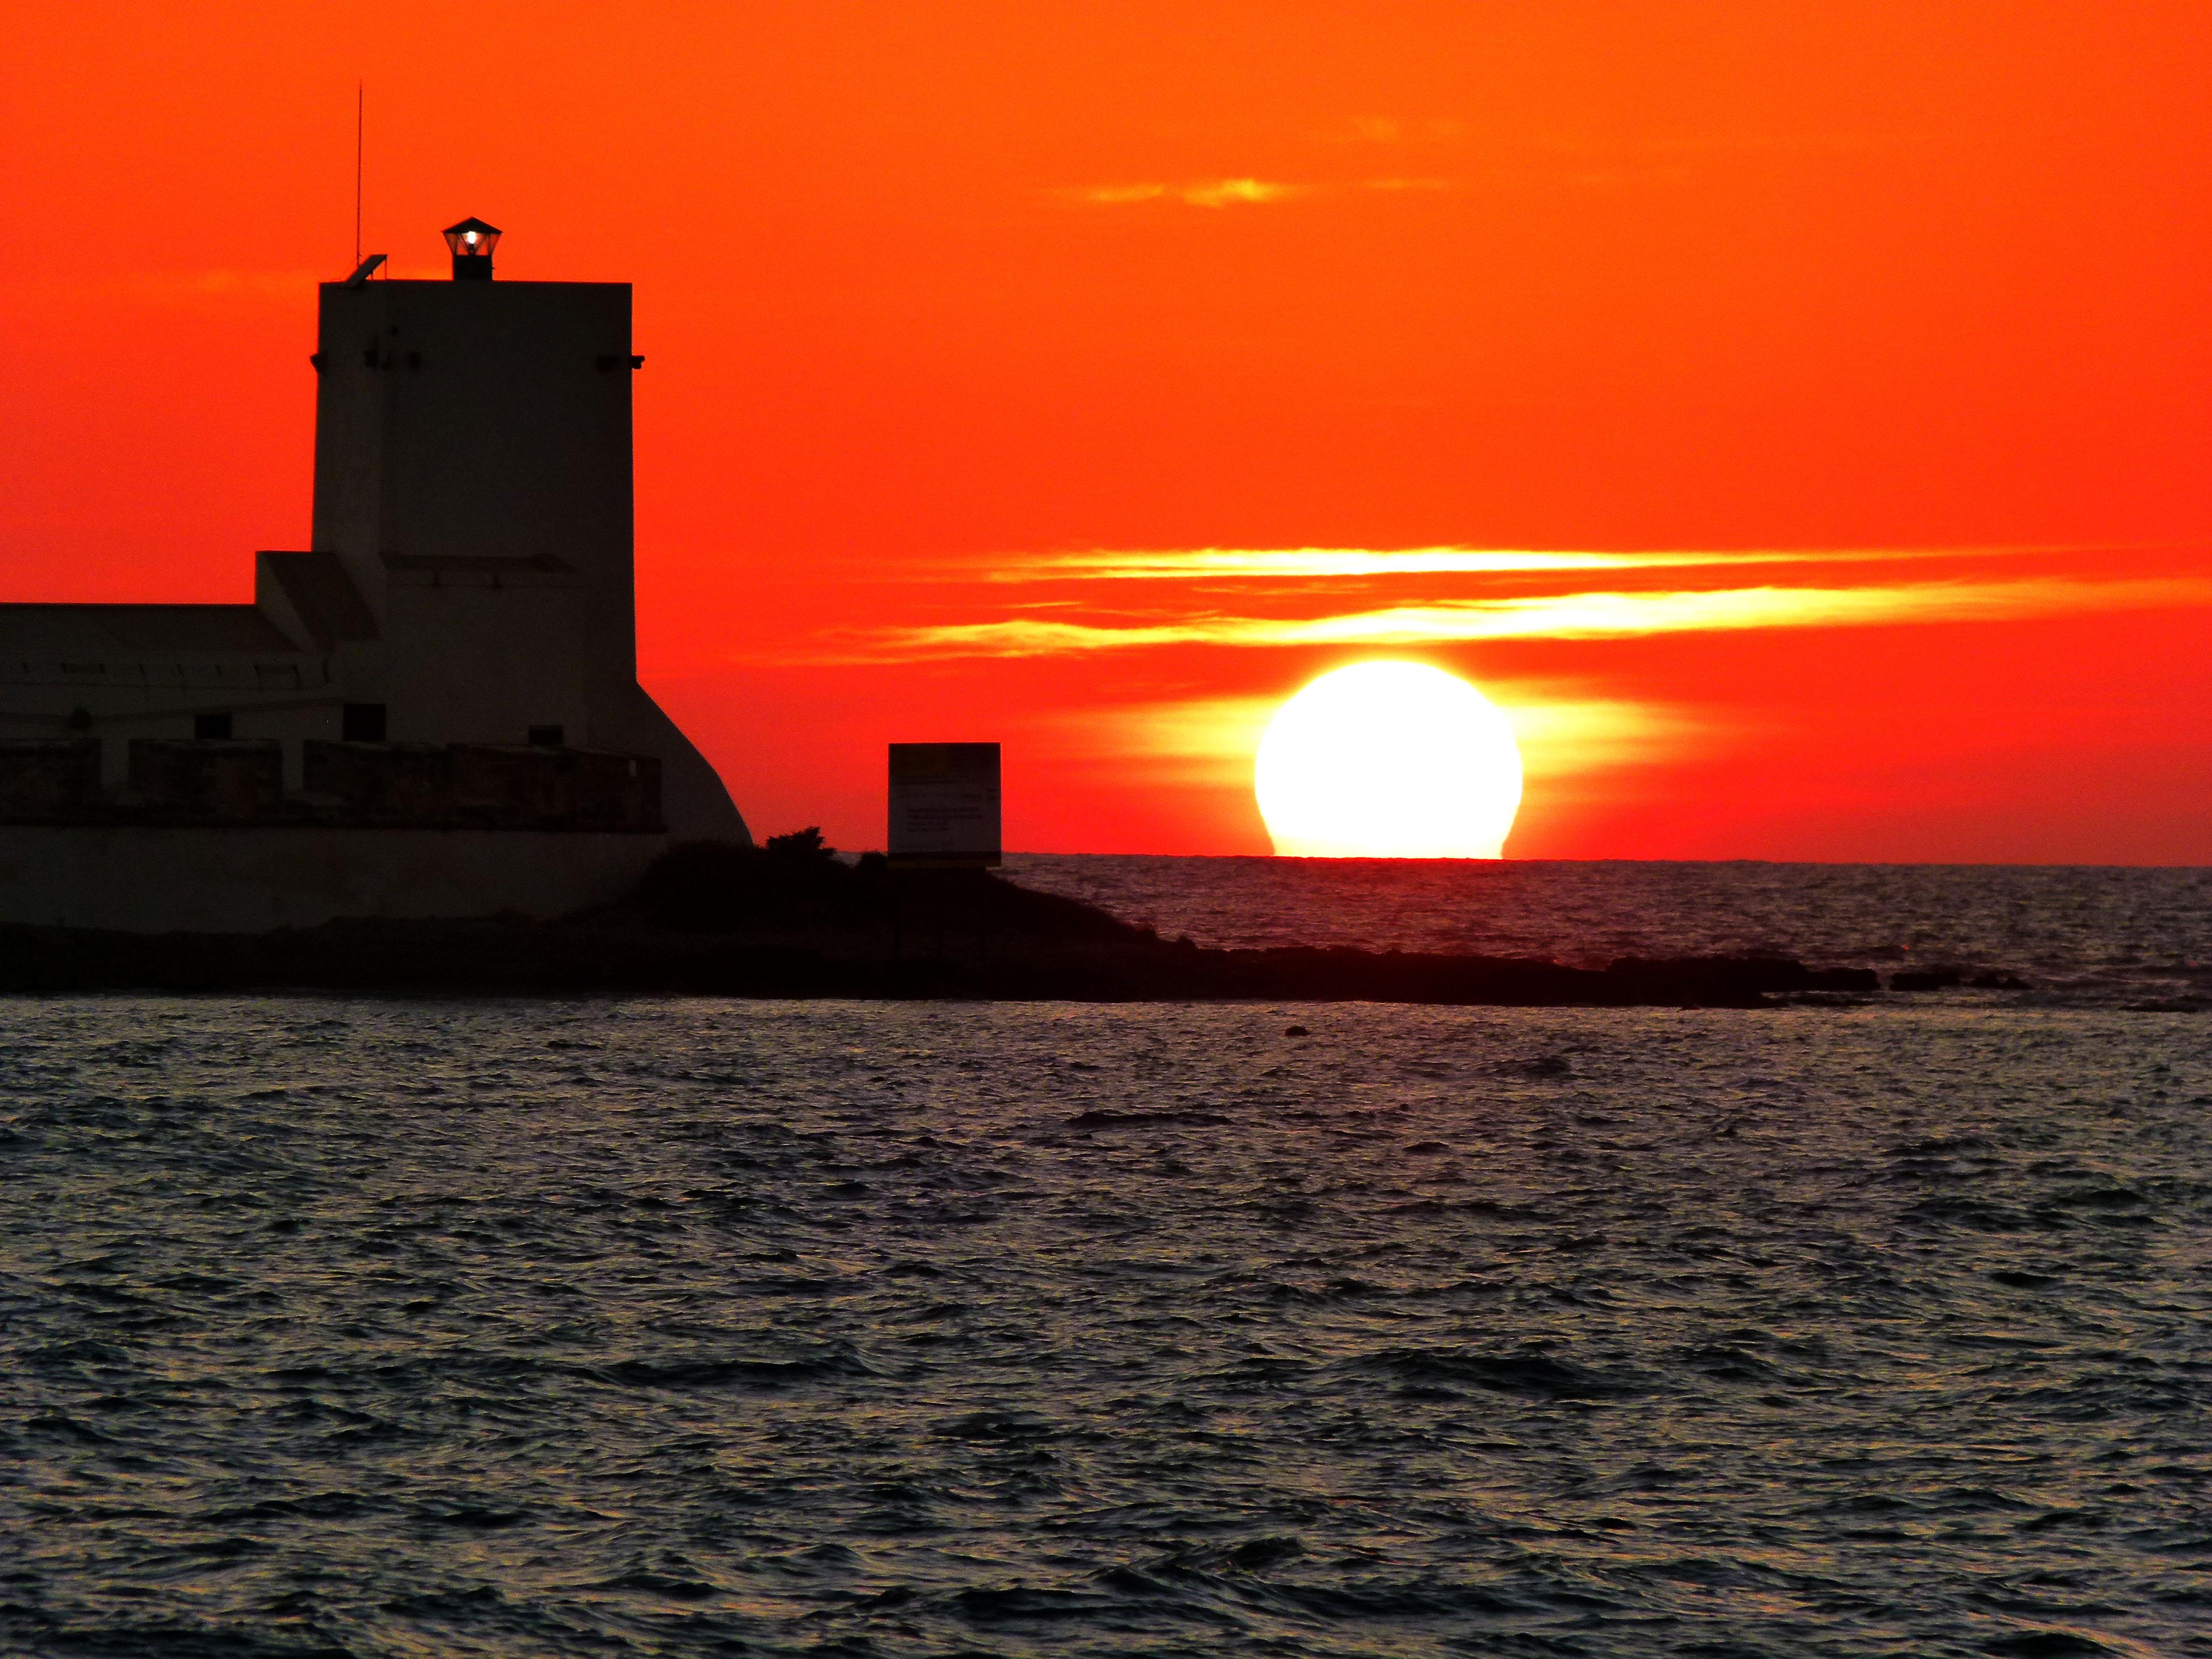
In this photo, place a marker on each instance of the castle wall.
(473, 472)
(480, 420)
(144, 880)
(434, 712)
(468, 662)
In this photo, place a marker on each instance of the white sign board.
(944, 803)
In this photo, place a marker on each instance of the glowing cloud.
(1307, 563)
(1568, 615)
(1234, 192)
(1213, 193)
(1563, 731)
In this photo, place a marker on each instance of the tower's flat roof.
(323, 596)
(379, 284)
(97, 632)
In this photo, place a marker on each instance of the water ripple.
(385, 1327)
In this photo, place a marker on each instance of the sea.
(661, 1325)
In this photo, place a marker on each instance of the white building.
(434, 711)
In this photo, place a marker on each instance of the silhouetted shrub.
(706, 886)
(801, 848)
(716, 887)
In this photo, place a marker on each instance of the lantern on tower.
(471, 241)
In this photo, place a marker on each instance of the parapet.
(217, 783)
(481, 785)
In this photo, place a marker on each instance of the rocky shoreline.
(495, 959)
(792, 920)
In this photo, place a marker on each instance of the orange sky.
(935, 296)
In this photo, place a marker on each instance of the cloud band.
(1586, 615)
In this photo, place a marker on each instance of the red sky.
(939, 300)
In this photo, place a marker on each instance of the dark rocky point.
(792, 920)
(1927, 979)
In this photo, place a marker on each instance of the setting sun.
(1388, 760)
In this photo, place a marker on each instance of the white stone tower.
(473, 475)
(433, 710)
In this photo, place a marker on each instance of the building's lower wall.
(146, 880)
(694, 801)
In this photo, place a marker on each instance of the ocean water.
(2082, 936)
(664, 1326)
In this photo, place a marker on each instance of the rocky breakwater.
(792, 920)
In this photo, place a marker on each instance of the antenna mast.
(360, 111)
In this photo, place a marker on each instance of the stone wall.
(345, 786)
(233, 879)
(49, 781)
